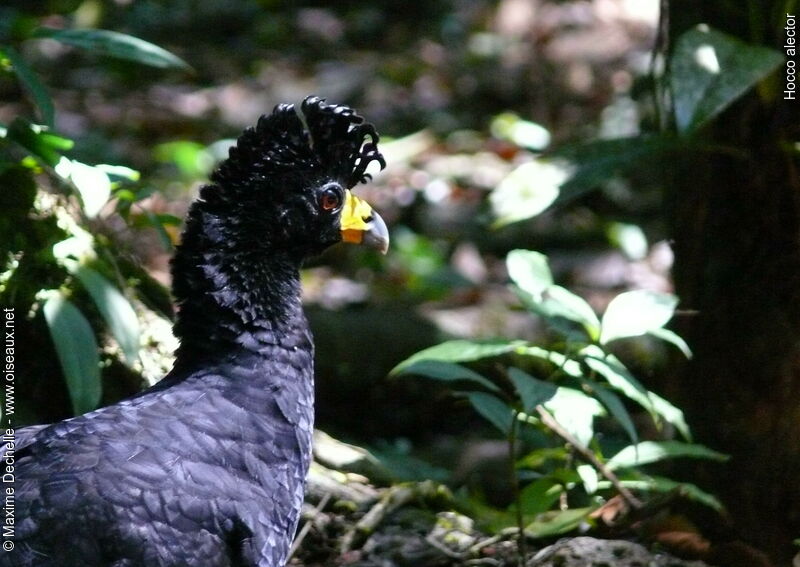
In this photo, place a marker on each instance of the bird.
(208, 467)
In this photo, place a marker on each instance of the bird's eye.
(330, 199)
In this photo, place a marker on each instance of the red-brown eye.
(330, 199)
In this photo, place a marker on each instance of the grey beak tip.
(377, 236)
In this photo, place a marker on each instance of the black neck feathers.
(236, 272)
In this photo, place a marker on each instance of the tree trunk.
(736, 228)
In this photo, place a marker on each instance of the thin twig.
(307, 526)
(550, 422)
(475, 548)
(433, 542)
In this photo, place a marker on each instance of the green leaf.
(539, 496)
(116, 310)
(38, 141)
(557, 522)
(532, 391)
(615, 407)
(648, 452)
(30, 81)
(527, 191)
(673, 338)
(460, 351)
(115, 44)
(447, 371)
(619, 377)
(709, 70)
(77, 352)
(560, 302)
(671, 414)
(563, 362)
(493, 409)
(600, 161)
(635, 313)
(575, 412)
(530, 271)
(92, 184)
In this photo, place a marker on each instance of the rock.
(591, 552)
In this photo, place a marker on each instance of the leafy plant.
(48, 204)
(519, 387)
(707, 72)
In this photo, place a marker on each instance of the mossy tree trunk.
(735, 221)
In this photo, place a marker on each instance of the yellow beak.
(361, 225)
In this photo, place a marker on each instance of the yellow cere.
(354, 214)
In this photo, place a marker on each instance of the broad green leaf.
(673, 338)
(540, 496)
(671, 414)
(527, 191)
(30, 81)
(615, 407)
(648, 452)
(560, 302)
(461, 351)
(709, 70)
(557, 522)
(575, 412)
(618, 376)
(599, 161)
(77, 352)
(589, 478)
(92, 184)
(530, 271)
(34, 138)
(446, 371)
(116, 310)
(532, 391)
(563, 362)
(493, 409)
(635, 313)
(115, 44)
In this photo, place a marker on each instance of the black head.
(286, 181)
(282, 195)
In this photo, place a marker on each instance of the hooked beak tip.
(377, 234)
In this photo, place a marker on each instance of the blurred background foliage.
(635, 151)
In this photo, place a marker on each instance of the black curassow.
(207, 468)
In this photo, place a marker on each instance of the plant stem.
(550, 422)
(512, 452)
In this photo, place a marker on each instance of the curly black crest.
(326, 140)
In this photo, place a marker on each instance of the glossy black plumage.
(207, 468)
